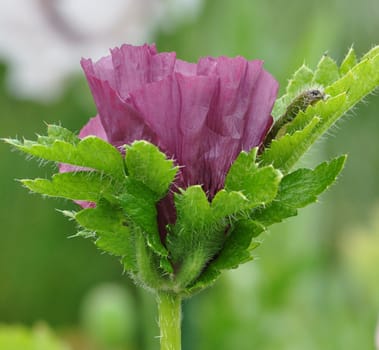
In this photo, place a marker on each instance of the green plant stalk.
(170, 315)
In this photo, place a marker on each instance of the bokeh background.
(315, 282)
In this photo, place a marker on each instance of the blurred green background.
(315, 282)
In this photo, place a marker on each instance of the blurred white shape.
(377, 337)
(43, 40)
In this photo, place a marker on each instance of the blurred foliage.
(359, 253)
(38, 338)
(108, 316)
(303, 292)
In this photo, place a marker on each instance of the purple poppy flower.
(200, 114)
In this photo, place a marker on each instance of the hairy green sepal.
(345, 86)
(209, 235)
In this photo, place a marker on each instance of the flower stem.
(170, 314)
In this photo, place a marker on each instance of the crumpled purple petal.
(94, 127)
(200, 114)
(122, 124)
(177, 109)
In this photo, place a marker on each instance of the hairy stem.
(169, 309)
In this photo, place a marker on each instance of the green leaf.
(112, 231)
(344, 93)
(63, 147)
(139, 203)
(57, 132)
(372, 53)
(327, 72)
(302, 186)
(207, 278)
(359, 81)
(302, 77)
(348, 62)
(149, 264)
(258, 184)
(236, 249)
(274, 213)
(319, 110)
(190, 268)
(197, 235)
(193, 223)
(243, 165)
(200, 229)
(228, 203)
(82, 185)
(299, 189)
(145, 163)
(285, 152)
(300, 81)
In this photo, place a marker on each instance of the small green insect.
(300, 103)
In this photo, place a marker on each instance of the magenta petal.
(176, 109)
(237, 80)
(185, 68)
(263, 99)
(102, 69)
(136, 66)
(94, 127)
(121, 122)
(232, 114)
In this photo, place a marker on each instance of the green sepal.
(64, 147)
(302, 186)
(84, 234)
(235, 251)
(139, 204)
(299, 189)
(372, 53)
(237, 247)
(197, 235)
(80, 185)
(359, 81)
(57, 132)
(112, 232)
(193, 224)
(301, 78)
(200, 231)
(165, 265)
(190, 268)
(258, 184)
(348, 62)
(150, 175)
(327, 72)
(323, 110)
(284, 153)
(149, 267)
(146, 164)
(309, 126)
(226, 204)
(207, 278)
